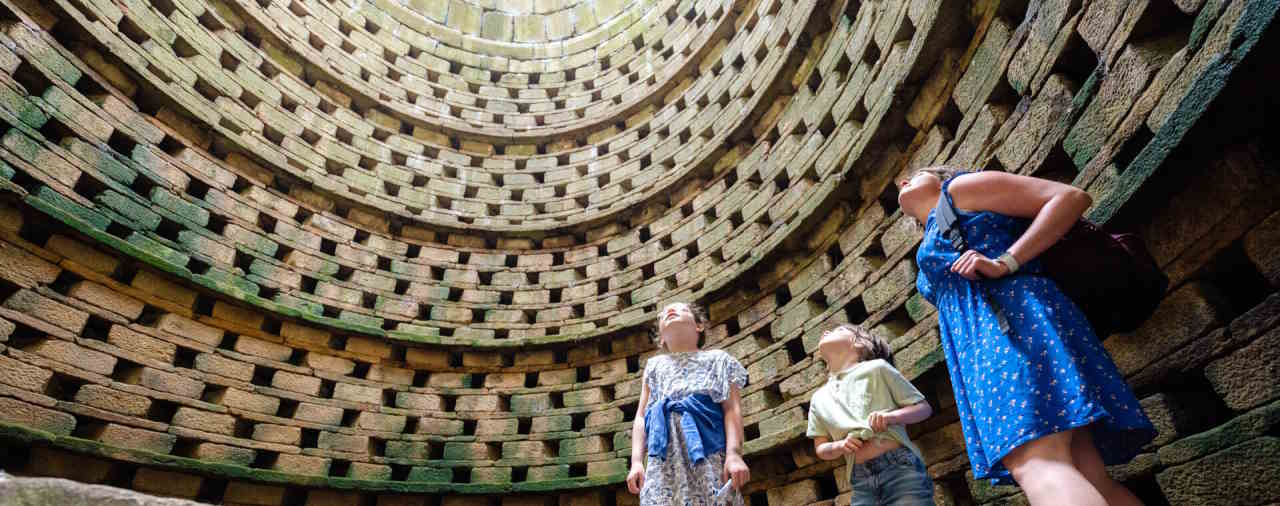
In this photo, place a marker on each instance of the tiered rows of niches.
(256, 333)
(399, 72)
(320, 140)
(70, 311)
(366, 285)
(524, 24)
(600, 172)
(109, 357)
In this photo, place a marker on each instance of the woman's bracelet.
(1008, 261)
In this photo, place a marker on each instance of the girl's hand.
(635, 478)
(971, 265)
(881, 420)
(851, 444)
(735, 468)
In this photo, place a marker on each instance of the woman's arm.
(639, 442)
(734, 466)
(1053, 207)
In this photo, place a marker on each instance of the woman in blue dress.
(1040, 401)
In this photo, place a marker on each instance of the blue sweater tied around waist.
(702, 423)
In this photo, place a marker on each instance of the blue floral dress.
(1047, 373)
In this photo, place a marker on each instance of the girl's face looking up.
(679, 327)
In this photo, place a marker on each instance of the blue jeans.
(895, 478)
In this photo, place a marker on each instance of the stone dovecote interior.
(383, 252)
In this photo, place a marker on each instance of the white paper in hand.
(725, 488)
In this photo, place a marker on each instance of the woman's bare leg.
(1048, 476)
(1085, 455)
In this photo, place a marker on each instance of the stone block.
(328, 415)
(1200, 482)
(49, 462)
(294, 382)
(1184, 315)
(106, 298)
(301, 464)
(1259, 245)
(165, 483)
(240, 399)
(22, 375)
(223, 366)
(1247, 377)
(470, 451)
(238, 492)
(110, 399)
(366, 471)
(217, 423)
(72, 354)
(36, 417)
(142, 344)
(800, 492)
(343, 442)
(43, 308)
(190, 329)
(380, 422)
(281, 434)
(138, 439)
(264, 349)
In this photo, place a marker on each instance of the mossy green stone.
(53, 202)
(917, 307)
(140, 216)
(104, 161)
(1252, 424)
(304, 306)
(26, 111)
(431, 474)
(361, 319)
(230, 282)
(530, 403)
(187, 210)
(548, 473)
(557, 423)
(156, 249)
(491, 475)
(408, 450)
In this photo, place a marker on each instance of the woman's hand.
(635, 478)
(735, 468)
(881, 420)
(973, 265)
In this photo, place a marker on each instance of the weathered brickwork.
(249, 250)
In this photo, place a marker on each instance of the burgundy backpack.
(1112, 278)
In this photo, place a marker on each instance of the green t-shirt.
(843, 405)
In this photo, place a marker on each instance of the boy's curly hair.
(872, 346)
(699, 317)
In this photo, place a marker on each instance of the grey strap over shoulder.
(946, 217)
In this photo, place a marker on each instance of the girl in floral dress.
(1040, 401)
(689, 424)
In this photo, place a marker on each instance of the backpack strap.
(945, 216)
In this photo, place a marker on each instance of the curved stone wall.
(378, 252)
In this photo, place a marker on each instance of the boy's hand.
(851, 444)
(881, 420)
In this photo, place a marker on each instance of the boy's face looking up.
(838, 349)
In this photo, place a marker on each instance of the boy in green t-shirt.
(861, 413)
